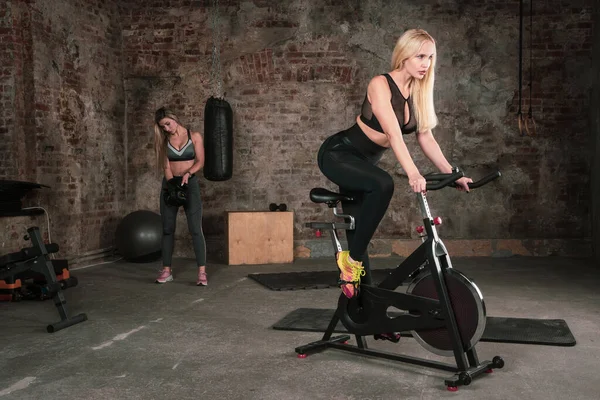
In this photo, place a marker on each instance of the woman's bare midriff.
(377, 137)
(178, 168)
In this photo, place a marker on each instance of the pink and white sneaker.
(165, 276)
(202, 279)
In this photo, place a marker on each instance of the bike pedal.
(393, 337)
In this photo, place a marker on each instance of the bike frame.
(432, 255)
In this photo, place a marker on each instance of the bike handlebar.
(438, 180)
(486, 179)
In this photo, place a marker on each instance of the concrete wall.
(296, 71)
(62, 119)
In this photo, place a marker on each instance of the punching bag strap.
(216, 78)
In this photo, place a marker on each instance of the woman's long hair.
(408, 46)
(160, 137)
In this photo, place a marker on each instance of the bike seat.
(321, 195)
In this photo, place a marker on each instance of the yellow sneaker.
(350, 273)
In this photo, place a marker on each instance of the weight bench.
(36, 259)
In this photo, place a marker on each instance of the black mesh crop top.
(398, 104)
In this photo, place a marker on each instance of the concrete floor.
(179, 341)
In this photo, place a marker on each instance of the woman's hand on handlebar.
(417, 183)
(462, 184)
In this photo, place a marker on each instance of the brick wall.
(595, 135)
(296, 72)
(17, 82)
(81, 79)
(64, 119)
(17, 161)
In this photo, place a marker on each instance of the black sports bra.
(398, 104)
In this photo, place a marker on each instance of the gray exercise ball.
(139, 236)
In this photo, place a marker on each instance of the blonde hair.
(407, 46)
(160, 137)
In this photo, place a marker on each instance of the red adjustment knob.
(437, 221)
(318, 233)
(420, 229)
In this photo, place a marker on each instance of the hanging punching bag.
(218, 140)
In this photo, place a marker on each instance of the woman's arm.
(432, 150)
(199, 160)
(379, 95)
(167, 168)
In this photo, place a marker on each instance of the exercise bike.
(442, 309)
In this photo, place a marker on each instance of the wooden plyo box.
(257, 237)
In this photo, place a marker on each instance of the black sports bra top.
(398, 104)
(186, 153)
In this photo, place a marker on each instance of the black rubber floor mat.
(553, 332)
(308, 280)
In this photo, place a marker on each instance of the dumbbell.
(275, 207)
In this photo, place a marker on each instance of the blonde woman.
(179, 155)
(396, 104)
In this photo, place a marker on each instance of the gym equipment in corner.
(17, 266)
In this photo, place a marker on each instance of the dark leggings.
(354, 170)
(193, 212)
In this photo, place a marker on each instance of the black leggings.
(193, 212)
(349, 159)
